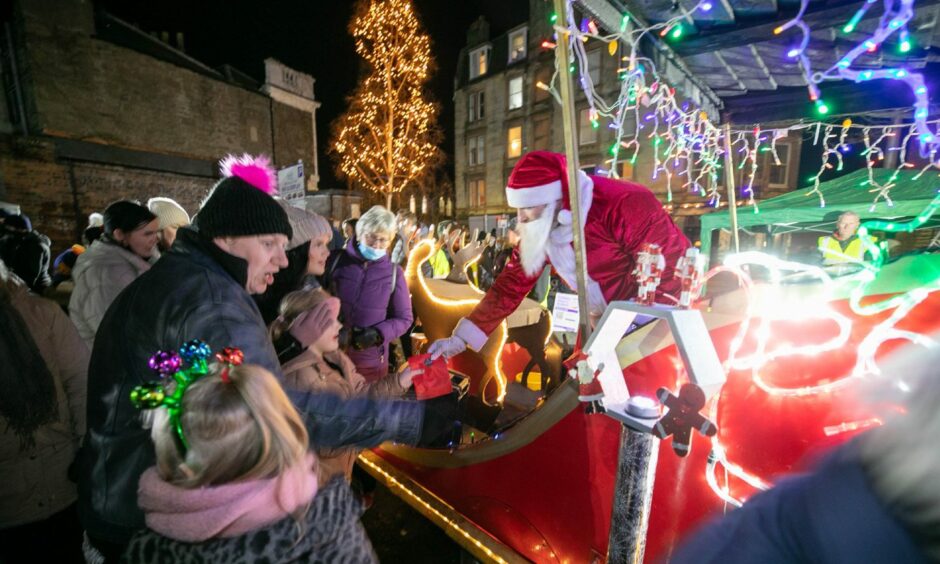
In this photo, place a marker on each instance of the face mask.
(369, 253)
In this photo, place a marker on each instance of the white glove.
(451, 346)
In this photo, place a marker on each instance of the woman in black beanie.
(124, 252)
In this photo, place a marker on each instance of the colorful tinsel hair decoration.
(168, 364)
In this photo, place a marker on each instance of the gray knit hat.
(307, 225)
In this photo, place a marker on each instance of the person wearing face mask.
(307, 252)
(376, 305)
(124, 252)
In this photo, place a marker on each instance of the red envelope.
(435, 381)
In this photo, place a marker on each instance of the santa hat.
(539, 178)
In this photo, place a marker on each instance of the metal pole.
(633, 495)
(729, 184)
(569, 120)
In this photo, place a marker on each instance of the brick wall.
(58, 196)
(293, 137)
(81, 87)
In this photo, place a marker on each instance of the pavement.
(401, 534)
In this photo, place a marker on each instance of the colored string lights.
(775, 304)
(685, 145)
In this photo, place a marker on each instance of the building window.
(479, 61)
(778, 175)
(476, 193)
(589, 169)
(542, 133)
(594, 66)
(626, 170)
(476, 154)
(514, 142)
(586, 132)
(476, 106)
(515, 92)
(517, 45)
(542, 76)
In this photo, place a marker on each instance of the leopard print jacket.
(330, 532)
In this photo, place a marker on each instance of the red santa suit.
(618, 218)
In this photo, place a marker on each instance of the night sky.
(311, 36)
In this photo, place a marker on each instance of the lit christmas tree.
(386, 140)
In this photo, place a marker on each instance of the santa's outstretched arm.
(510, 288)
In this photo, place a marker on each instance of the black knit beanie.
(126, 215)
(235, 208)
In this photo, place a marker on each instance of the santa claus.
(617, 217)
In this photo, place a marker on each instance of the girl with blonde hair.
(235, 482)
(323, 367)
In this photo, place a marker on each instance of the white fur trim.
(533, 195)
(471, 334)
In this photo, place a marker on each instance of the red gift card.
(436, 378)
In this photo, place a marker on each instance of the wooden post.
(729, 184)
(570, 122)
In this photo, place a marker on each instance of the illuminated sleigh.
(797, 353)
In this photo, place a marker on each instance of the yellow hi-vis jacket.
(831, 249)
(440, 264)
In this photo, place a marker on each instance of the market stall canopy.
(852, 192)
(734, 51)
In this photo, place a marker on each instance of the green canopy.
(800, 209)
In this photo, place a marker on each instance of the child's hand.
(407, 374)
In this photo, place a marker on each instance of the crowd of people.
(303, 328)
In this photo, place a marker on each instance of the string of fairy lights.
(687, 147)
(384, 141)
(776, 305)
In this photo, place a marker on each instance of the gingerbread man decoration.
(682, 417)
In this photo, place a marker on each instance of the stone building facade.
(502, 111)
(96, 110)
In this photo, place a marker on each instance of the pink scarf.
(231, 510)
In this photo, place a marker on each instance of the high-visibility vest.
(440, 264)
(832, 252)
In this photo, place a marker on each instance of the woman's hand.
(407, 374)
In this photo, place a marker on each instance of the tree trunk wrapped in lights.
(387, 139)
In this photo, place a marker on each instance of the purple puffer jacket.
(365, 291)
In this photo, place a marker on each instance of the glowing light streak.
(396, 485)
(494, 370)
(851, 426)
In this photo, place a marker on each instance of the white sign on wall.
(290, 182)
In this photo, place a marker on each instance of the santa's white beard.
(533, 239)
